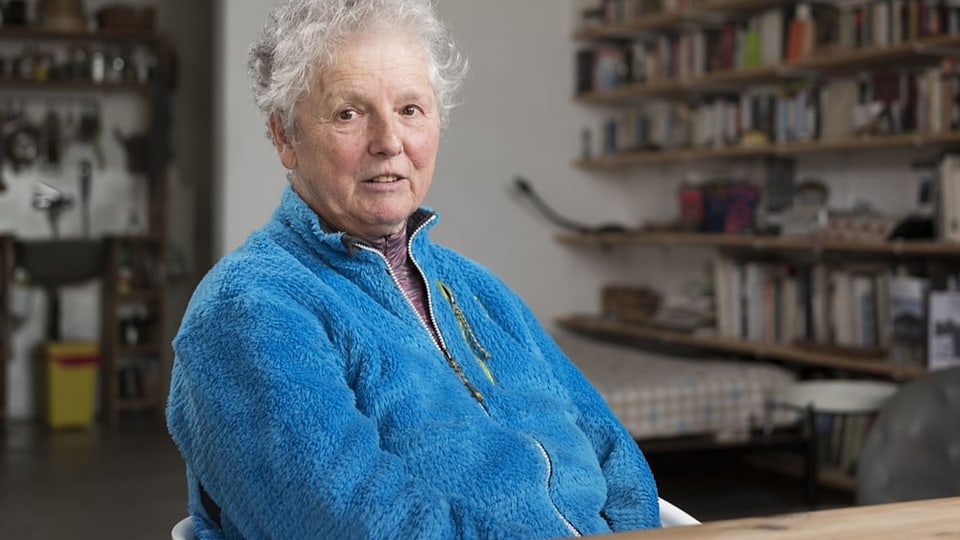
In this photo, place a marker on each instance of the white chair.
(183, 530)
(672, 516)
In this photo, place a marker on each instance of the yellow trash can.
(71, 383)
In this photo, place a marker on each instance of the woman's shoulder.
(260, 265)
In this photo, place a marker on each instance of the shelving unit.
(133, 368)
(627, 146)
(843, 61)
(133, 343)
(919, 51)
(6, 330)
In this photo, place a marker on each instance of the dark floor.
(127, 484)
(715, 485)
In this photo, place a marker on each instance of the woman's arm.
(266, 421)
(631, 490)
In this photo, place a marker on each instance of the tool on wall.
(52, 138)
(526, 189)
(86, 177)
(54, 202)
(137, 149)
(90, 130)
(22, 142)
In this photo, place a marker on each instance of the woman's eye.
(348, 114)
(410, 110)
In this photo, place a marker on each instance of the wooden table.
(918, 520)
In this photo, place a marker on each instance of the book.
(949, 193)
(943, 334)
(839, 100)
(908, 319)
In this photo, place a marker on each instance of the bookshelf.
(778, 87)
(645, 68)
(668, 41)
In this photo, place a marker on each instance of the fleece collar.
(299, 217)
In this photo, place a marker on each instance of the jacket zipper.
(479, 352)
(546, 458)
(435, 336)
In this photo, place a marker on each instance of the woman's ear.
(281, 141)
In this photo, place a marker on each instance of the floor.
(90, 484)
(127, 483)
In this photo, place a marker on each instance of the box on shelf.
(628, 303)
(126, 19)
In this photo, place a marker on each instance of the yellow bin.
(71, 383)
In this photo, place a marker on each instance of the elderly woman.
(340, 375)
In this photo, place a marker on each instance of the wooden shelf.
(627, 159)
(766, 243)
(665, 20)
(146, 39)
(648, 23)
(933, 47)
(38, 34)
(834, 61)
(22, 85)
(594, 325)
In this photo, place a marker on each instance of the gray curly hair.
(301, 37)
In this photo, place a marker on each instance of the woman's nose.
(385, 138)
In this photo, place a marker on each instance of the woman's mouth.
(384, 179)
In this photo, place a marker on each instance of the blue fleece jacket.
(310, 401)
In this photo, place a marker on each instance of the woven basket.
(628, 303)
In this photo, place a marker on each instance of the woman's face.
(365, 146)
